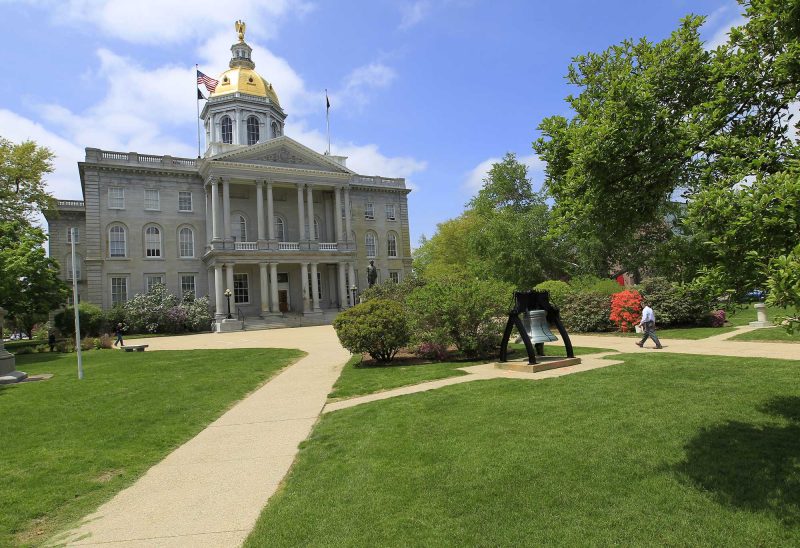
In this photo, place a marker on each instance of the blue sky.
(432, 91)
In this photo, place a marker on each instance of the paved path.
(210, 491)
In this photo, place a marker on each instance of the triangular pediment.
(281, 152)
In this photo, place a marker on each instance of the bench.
(135, 347)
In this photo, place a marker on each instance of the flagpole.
(328, 119)
(196, 69)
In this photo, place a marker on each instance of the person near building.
(648, 324)
(118, 334)
(51, 341)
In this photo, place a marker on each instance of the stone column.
(300, 212)
(215, 233)
(314, 287)
(209, 218)
(304, 285)
(352, 275)
(226, 209)
(347, 220)
(8, 363)
(260, 208)
(337, 214)
(270, 213)
(219, 289)
(262, 278)
(309, 192)
(343, 289)
(229, 285)
(273, 287)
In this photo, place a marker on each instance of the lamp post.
(353, 290)
(228, 297)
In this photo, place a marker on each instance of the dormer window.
(227, 130)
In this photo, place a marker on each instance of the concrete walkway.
(211, 490)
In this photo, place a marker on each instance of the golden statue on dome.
(240, 28)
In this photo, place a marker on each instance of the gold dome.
(245, 80)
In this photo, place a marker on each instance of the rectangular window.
(283, 277)
(390, 213)
(188, 284)
(152, 200)
(77, 269)
(151, 280)
(369, 211)
(119, 291)
(184, 201)
(116, 198)
(241, 289)
(77, 235)
(394, 276)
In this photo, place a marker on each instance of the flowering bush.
(717, 318)
(432, 351)
(626, 309)
(159, 311)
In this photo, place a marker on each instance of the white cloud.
(361, 83)
(413, 13)
(473, 180)
(723, 19)
(173, 21)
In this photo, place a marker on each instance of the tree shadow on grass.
(751, 466)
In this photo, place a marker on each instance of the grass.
(690, 333)
(746, 313)
(357, 381)
(768, 334)
(69, 445)
(664, 449)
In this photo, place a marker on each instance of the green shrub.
(466, 312)
(675, 305)
(66, 345)
(42, 348)
(592, 284)
(104, 341)
(42, 331)
(393, 291)
(587, 312)
(91, 317)
(558, 290)
(378, 327)
(22, 350)
(87, 343)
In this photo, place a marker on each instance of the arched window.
(239, 228)
(252, 130)
(371, 242)
(117, 242)
(227, 130)
(276, 129)
(152, 242)
(186, 242)
(391, 244)
(280, 229)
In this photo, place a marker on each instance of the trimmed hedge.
(558, 290)
(587, 312)
(378, 327)
(675, 305)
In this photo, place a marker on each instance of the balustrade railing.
(328, 246)
(246, 246)
(288, 246)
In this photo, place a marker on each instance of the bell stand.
(524, 302)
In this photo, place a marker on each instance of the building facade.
(287, 230)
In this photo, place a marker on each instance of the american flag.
(207, 81)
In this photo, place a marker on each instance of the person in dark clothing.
(118, 334)
(51, 340)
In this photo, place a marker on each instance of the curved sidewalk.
(211, 490)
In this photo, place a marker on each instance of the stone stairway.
(256, 323)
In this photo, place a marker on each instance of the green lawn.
(664, 449)
(746, 313)
(357, 380)
(68, 445)
(768, 334)
(691, 333)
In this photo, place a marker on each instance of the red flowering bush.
(626, 309)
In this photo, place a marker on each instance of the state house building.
(289, 231)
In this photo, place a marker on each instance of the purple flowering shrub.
(718, 318)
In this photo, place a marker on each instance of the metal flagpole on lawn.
(196, 70)
(75, 307)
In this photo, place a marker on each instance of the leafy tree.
(784, 288)
(22, 187)
(29, 282)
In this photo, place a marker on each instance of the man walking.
(648, 324)
(118, 333)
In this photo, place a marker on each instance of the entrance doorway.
(283, 300)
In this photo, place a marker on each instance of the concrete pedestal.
(543, 364)
(761, 315)
(8, 363)
(226, 326)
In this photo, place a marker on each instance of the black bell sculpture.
(538, 314)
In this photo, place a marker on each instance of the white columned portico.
(301, 213)
(337, 214)
(314, 287)
(260, 208)
(273, 287)
(304, 284)
(219, 288)
(348, 222)
(226, 209)
(270, 214)
(352, 275)
(262, 277)
(309, 193)
(343, 289)
(215, 209)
